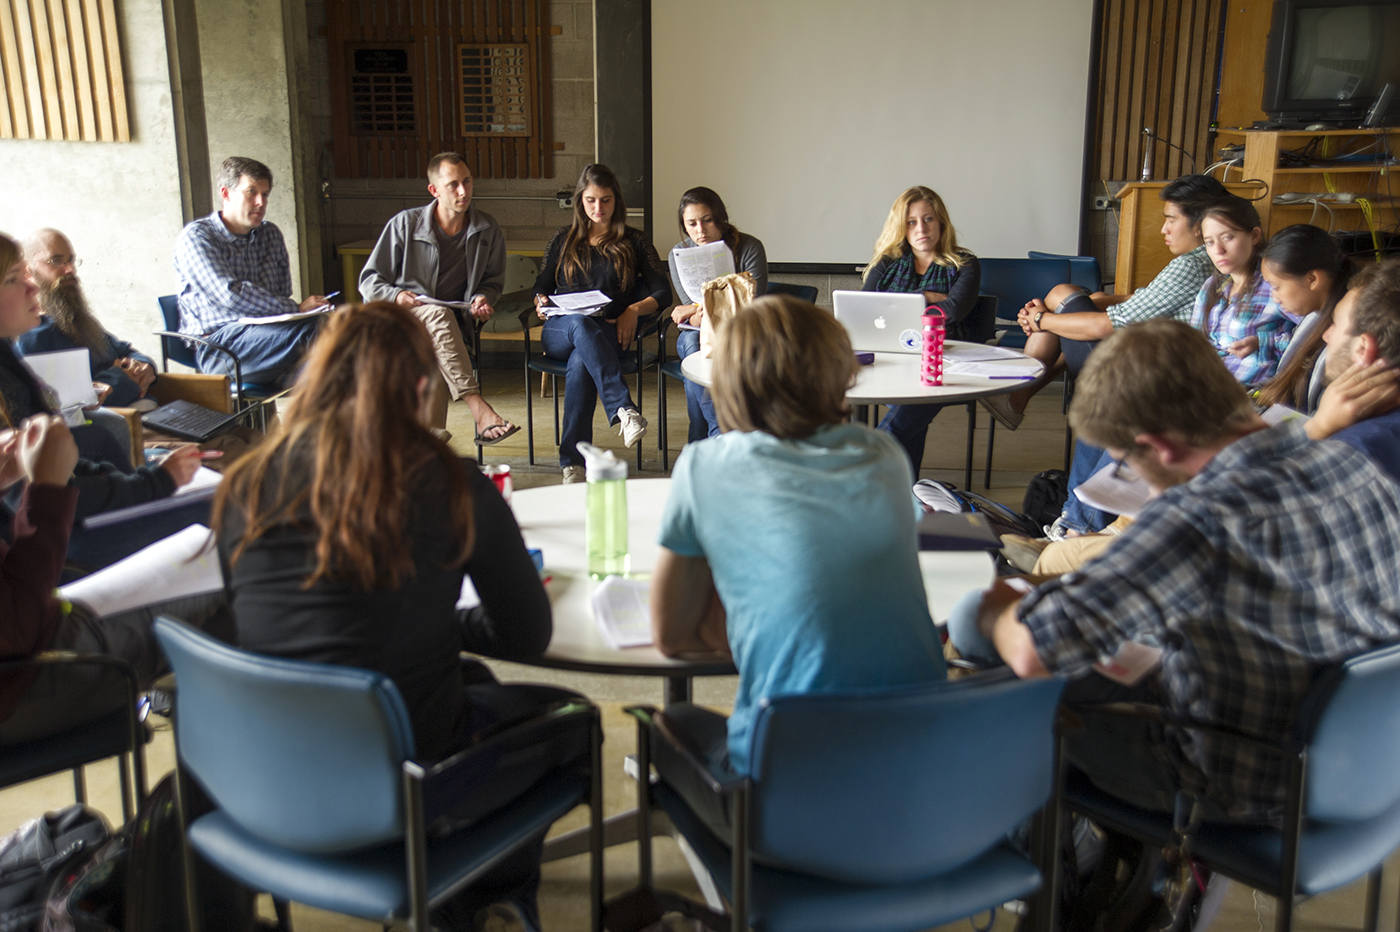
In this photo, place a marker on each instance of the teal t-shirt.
(814, 554)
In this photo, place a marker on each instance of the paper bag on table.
(721, 300)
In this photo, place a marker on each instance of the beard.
(63, 301)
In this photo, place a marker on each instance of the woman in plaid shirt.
(1235, 308)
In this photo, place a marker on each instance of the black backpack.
(1046, 495)
(36, 853)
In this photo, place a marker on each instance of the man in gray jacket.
(431, 258)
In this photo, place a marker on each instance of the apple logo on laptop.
(880, 323)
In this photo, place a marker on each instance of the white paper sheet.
(579, 302)
(67, 372)
(696, 265)
(1275, 415)
(987, 370)
(1124, 495)
(1131, 663)
(622, 611)
(976, 352)
(427, 299)
(174, 567)
(283, 318)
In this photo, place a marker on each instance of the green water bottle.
(605, 528)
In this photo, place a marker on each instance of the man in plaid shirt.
(1262, 557)
(232, 264)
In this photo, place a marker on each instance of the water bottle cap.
(602, 464)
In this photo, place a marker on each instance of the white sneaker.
(632, 425)
(574, 474)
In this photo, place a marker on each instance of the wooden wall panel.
(1157, 68)
(60, 61)
(433, 29)
(1242, 71)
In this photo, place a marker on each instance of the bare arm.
(1087, 326)
(687, 616)
(999, 623)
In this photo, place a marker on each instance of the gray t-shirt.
(452, 264)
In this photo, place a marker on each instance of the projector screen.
(809, 118)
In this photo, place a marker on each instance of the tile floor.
(1037, 445)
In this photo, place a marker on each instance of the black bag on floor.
(1046, 495)
(36, 853)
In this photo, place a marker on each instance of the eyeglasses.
(59, 262)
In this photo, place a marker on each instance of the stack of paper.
(68, 373)
(176, 567)
(622, 610)
(587, 303)
(284, 318)
(696, 265)
(1120, 494)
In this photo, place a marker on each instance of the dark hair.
(348, 450)
(236, 166)
(1295, 251)
(574, 259)
(1238, 214)
(1193, 194)
(707, 198)
(1378, 307)
(452, 158)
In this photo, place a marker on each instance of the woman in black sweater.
(599, 251)
(345, 537)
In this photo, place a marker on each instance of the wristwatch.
(1035, 321)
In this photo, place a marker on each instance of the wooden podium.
(1142, 252)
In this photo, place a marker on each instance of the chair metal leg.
(283, 909)
(529, 412)
(740, 868)
(595, 833)
(991, 441)
(644, 872)
(124, 777)
(971, 430)
(1373, 901)
(193, 920)
(415, 848)
(554, 390)
(79, 785)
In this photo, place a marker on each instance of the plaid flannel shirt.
(1277, 559)
(1254, 313)
(1171, 294)
(224, 276)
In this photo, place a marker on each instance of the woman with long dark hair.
(598, 252)
(346, 536)
(1308, 273)
(702, 218)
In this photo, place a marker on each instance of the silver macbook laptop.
(881, 321)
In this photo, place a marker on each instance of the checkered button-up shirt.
(1277, 559)
(1171, 294)
(1227, 318)
(224, 276)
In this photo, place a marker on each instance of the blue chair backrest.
(1083, 270)
(942, 772)
(805, 292)
(178, 350)
(304, 755)
(1016, 281)
(981, 324)
(1354, 759)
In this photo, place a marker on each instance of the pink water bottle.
(931, 372)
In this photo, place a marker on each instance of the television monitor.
(1328, 60)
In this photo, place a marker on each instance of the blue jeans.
(268, 354)
(698, 403)
(909, 425)
(1077, 515)
(589, 345)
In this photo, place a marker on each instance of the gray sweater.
(749, 257)
(406, 257)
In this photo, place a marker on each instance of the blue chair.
(1342, 816)
(118, 734)
(1015, 282)
(173, 346)
(1083, 270)
(320, 800)
(672, 368)
(632, 364)
(941, 774)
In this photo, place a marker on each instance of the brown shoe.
(1022, 552)
(999, 407)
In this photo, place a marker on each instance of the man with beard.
(120, 374)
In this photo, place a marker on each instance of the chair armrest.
(211, 391)
(237, 366)
(674, 734)
(136, 429)
(1155, 713)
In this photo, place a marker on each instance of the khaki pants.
(454, 362)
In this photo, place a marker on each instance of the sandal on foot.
(496, 433)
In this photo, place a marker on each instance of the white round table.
(893, 379)
(551, 519)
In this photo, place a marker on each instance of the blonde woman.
(918, 252)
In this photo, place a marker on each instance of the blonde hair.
(782, 366)
(1155, 377)
(892, 243)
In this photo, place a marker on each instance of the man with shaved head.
(120, 374)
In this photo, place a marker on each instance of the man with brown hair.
(120, 374)
(1262, 557)
(446, 251)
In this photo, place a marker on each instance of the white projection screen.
(810, 116)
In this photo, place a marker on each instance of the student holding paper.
(703, 219)
(918, 251)
(598, 252)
